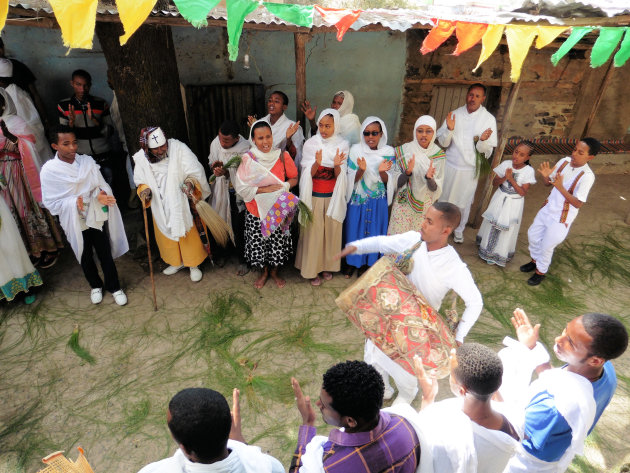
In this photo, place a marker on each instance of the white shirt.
(447, 271)
(555, 201)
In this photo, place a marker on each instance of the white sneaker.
(195, 274)
(120, 297)
(458, 238)
(96, 296)
(389, 393)
(172, 270)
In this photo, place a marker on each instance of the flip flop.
(316, 282)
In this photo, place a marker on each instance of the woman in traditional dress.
(422, 162)
(323, 187)
(40, 233)
(502, 220)
(263, 180)
(371, 183)
(17, 273)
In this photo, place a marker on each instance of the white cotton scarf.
(349, 123)
(373, 159)
(329, 147)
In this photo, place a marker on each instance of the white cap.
(156, 138)
(6, 67)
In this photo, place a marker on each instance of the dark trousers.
(98, 240)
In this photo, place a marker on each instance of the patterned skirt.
(274, 250)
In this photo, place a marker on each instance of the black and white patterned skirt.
(274, 250)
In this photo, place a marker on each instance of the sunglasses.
(373, 133)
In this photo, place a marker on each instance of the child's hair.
(57, 130)
(530, 146)
(285, 99)
(594, 146)
(479, 370)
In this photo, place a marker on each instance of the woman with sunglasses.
(421, 163)
(371, 185)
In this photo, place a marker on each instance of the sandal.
(48, 261)
(316, 282)
(327, 275)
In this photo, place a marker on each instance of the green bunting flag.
(577, 34)
(624, 50)
(605, 45)
(196, 12)
(237, 10)
(301, 15)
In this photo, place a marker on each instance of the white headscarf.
(414, 148)
(349, 125)
(267, 160)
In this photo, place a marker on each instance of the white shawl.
(172, 214)
(349, 124)
(337, 207)
(221, 187)
(373, 159)
(279, 132)
(63, 183)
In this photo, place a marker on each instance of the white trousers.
(406, 383)
(544, 234)
(459, 189)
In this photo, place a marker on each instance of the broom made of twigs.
(220, 230)
(231, 163)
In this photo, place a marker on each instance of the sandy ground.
(115, 408)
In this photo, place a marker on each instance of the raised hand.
(71, 115)
(486, 134)
(385, 165)
(410, 165)
(303, 404)
(80, 203)
(526, 333)
(292, 130)
(450, 121)
(251, 119)
(105, 199)
(235, 431)
(431, 171)
(309, 112)
(558, 181)
(90, 115)
(428, 381)
(545, 170)
(318, 157)
(339, 158)
(362, 164)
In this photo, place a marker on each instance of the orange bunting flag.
(468, 34)
(489, 42)
(519, 39)
(438, 34)
(77, 19)
(132, 15)
(341, 18)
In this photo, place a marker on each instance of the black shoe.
(529, 267)
(536, 279)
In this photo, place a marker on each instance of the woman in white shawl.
(371, 183)
(263, 180)
(349, 124)
(422, 162)
(323, 188)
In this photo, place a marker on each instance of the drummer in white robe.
(467, 128)
(437, 268)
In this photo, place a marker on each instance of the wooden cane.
(146, 234)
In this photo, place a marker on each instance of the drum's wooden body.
(392, 313)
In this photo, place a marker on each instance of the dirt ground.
(223, 333)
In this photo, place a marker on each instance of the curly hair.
(479, 369)
(610, 337)
(356, 389)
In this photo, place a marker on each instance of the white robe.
(279, 132)
(242, 459)
(169, 204)
(221, 186)
(63, 183)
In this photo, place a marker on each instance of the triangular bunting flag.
(132, 14)
(577, 33)
(77, 19)
(546, 34)
(4, 11)
(341, 18)
(237, 10)
(438, 34)
(196, 12)
(603, 48)
(519, 39)
(468, 34)
(624, 50)
(301, 15)
(489, 42)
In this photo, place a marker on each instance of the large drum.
(395, 316)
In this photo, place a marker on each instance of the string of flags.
(77, 19)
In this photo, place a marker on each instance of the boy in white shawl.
(168, 174)
(200, 422)
(74, 189)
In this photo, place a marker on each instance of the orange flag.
(341, 18)
(468, 34)
(437, 36)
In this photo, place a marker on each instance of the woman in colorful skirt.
(371, 182)
(263, 180)
(422, 162)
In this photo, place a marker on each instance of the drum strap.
(403, 260)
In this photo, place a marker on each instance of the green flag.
(577, 34)
(301, 15)
(624, 50)
(196, 12)
(237, 10)
(608, 40)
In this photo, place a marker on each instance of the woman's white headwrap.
(349, 125)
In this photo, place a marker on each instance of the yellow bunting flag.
(132, 15)
(519, 39)
(489, 42)
(546, 34)
(77, 19)
(4, 11)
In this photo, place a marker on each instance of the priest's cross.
(155, 139)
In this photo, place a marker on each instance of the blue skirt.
(362, 221)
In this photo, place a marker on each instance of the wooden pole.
(300, 40)
(146, 234)
(598, 98)
(498, 152)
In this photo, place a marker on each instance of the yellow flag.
(489, 42)
(519, 39)
(76, 19)
(132, 15)
(4, 11)
(546, 34)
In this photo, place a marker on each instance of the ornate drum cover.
(392, 313)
